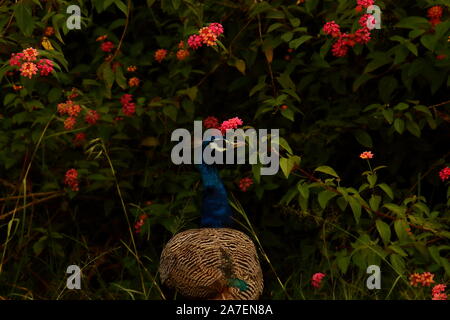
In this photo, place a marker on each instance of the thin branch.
(3, 216)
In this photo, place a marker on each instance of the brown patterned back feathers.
(197, 263)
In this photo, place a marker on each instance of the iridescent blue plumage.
(216, 212)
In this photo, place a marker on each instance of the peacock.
(215, 261)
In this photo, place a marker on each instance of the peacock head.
(214, 144)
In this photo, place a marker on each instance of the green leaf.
(274, 27)
(326, 196)
(372, 179)
(363, 78)
(374, 202)
(401, 106)
(40, 245)
(9, 98)
(398, 210)
(386, 87)
(398, 250)
(122, 6)
(256, 169)
(287, 164)
(356, 208)
(379, 61)
(363, 138)
(413, 127)
(412, 23)
(384, 230)
(398, 263)
(327, 170)
(303, 188)
(294, 44)
(399, 125)
(24, 18)
(108, 75)
(388, 115)
(401, 227)
(285, 80)
(257, 88)
(434, 253)
(288, 114)
(411, 47)
(423, 109)
(428, 42)
(287, 36)
(170, 111)
(190, 92)
(343, 263)
(295, 22)
(120, 78)
(283, 143)
(342, 202)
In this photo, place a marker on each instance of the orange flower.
(101, 38)
(366, 155)
(133, 82)
(435, 12)
(208, 36)
(28, 69)
(131, 68)
(30, 54)
(160, 55)
(415, 279)
(73, 110)
(425, 279)
(69, 123)
(49, 31)
(182, 54)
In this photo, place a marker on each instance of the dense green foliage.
(325, 211)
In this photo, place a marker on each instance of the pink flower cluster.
(28, 63)
(213, 122)
(138, 225)
(92, 117)
(107, 46)
(206, 36)
(71, 179)
(232, 123)
(245, 183)
(435, 14)
(444, 174)
(332, 28)
(345, 40)
(79, 139)
(364, 3)
(128, 107)
(437, 292)
(316, 279)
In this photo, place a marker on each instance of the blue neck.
(216, 212)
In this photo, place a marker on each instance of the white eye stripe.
(216, 147)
